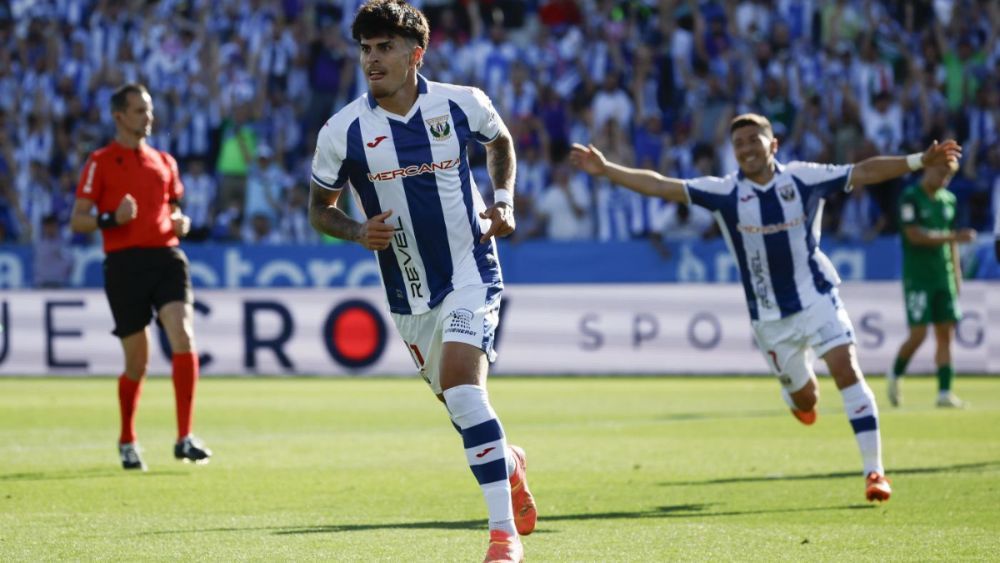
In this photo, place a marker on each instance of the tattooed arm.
(327, 218)
(502, 166)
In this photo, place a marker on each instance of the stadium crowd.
(241, 87)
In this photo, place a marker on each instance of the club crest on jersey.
(439, 127)
(787, 192)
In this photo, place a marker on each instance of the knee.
(181, 340)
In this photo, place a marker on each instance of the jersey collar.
(421, 89)
(779, 169)
(118, 147)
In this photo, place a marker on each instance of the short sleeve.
(177, 186)
(709, 191)
(825, 178)
(90, 186)
(483, 118)
(328, 160)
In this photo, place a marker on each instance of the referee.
(136, 190)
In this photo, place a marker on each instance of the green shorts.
(931, 306)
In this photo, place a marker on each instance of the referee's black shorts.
(138, 281)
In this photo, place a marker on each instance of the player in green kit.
(931, 276)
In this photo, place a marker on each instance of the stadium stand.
(655, 80)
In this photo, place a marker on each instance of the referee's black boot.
(130, 456)
(191, 448)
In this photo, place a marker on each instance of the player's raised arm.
(878, 169)
(501, 164)
(327, 218)
(646, 182)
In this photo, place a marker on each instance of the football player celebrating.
(402, 147)
(770, 214)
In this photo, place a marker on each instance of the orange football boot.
(504, 548)
(521, 499)
(805, 417)
(877, 488)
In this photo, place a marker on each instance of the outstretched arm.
(327, 218)
(878, 169)
(646, 182)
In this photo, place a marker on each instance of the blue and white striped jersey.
(773, 232)
(417, 166)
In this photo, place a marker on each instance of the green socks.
(944, 375)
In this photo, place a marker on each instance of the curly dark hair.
(390, 17)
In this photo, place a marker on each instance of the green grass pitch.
(623, 469)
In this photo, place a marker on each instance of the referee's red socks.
(128, 399)
(185, 375)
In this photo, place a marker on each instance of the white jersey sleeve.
(483, 118)
(827, 178)
(328, 160)
(709, 192)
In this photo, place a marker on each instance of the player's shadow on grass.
(76, 474)
(702, 415)
(838, 475)
(671, 511)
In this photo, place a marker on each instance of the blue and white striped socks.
(485, 450)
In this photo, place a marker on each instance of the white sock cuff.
(469, 405)
(856, 396)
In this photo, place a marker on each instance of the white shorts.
(468, 314)
(791, 345)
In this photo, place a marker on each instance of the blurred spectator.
(13, 223)
(236, 156)
(860, 217)
(564, 209)
(260, 230)
(330, 72)
(295, 227)
(53, 261)
(679, 222)
(266, 187)
(611, 102)
(884, 123)
(200, 193)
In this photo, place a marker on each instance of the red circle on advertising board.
(356, 334)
